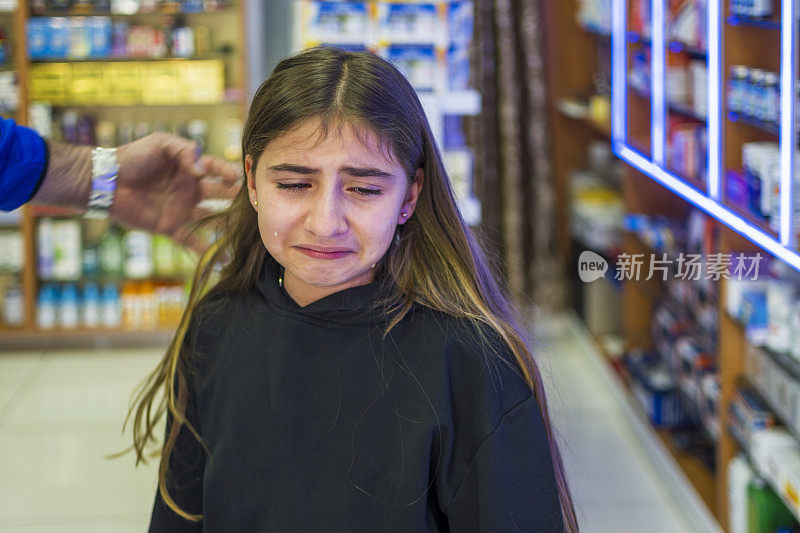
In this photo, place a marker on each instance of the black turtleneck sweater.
(316, 423)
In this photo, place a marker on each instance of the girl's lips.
(322, 255)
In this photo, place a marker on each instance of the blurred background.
(629, 163)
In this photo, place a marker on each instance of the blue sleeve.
(23, 163)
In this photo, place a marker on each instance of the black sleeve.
(184, 477)
(510, 483)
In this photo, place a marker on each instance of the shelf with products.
(768, 450)
(430, 44)
(738, 194)
(198, 10)
(72, 97)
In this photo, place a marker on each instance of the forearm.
(68, 178)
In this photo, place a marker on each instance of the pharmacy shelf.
(766, 477)
(88, 12)
(236, 99)
(37, 339)
(789, 365)
(755, 23)
(112, 59)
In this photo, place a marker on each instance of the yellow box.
(87, 83)
(122, 83)
(50, 82)
(160, 83)
(203, 82)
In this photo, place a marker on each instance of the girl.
(355, 366)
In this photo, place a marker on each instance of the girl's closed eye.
(296, 187)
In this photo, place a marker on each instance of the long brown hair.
(437, 262)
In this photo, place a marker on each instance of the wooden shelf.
(229, 31)
(101, 13)
(114, 59)
(32, 338)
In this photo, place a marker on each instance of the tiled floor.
(62, 412)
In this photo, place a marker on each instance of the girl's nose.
(326, 218)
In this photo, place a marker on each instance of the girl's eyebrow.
(358, 172)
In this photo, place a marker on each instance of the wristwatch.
(105, 169)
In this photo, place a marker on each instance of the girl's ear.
(251, 180)
(412, 196)
(248, 170)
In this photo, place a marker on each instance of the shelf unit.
(227, 34)
(570, 67)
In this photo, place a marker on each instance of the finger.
(226, 171)
(184, 152)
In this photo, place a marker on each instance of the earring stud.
(255, 202)
(403, 214)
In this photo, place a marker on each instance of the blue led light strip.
(788, 138)
(619, 85)
(715, 140)
(712, 207)
(658, 83)
(782, 248)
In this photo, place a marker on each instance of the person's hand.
(162, 178)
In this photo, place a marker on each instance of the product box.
(656, 391)
(423, 65)
(763, 446)
(87, 83)
(202, 81)
(100, 37)
(9, 92)
(51, 82)
(80, 41)
(458, 68)
(122, 83)
(459, 165)
(335, 22)
(160, 83)
(59, 37)
(753, 313)
(37, 30)
(460, 22)
(761, 164)
(421, 23)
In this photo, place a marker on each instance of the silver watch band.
(105, 169)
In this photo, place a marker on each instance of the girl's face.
(328, 207)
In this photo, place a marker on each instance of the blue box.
(58, 37)
(100, 37)
(37, 38)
